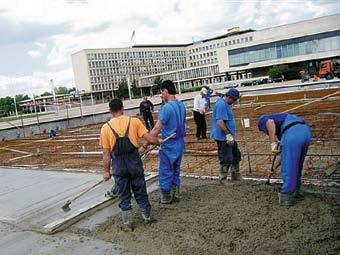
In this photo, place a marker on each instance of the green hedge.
(193, 89)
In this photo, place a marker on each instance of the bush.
(278, 71)
(193, 89)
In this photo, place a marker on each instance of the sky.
(37, 37)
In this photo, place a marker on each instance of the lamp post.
(129, 86)
(178, 84)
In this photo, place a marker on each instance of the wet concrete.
(18, 242)
(32, 199)
(239, 218)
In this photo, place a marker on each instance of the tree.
(61, 90)
(46, 93)
(135, 89)
(157, 85)
(6, 105)
(278, 71)
(73, 89)
(21, 97)
(122, 91)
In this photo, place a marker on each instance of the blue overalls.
(128, 172)
(172, 117)
(295, 139)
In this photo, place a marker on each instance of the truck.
(329, 68)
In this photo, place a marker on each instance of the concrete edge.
(61, 224)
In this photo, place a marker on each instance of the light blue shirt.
(222, 111)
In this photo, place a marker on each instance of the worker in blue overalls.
(290, 135)
(119, 139)
(171, 119)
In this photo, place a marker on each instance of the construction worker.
(199, 114)
(291, 135)
(171, 119)
(119, 139)
(146, 109)
(208, 95)
(223, 131)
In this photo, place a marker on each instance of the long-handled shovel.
(145, 153)
(66, 206)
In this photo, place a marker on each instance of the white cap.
(204, 91)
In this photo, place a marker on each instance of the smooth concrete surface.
(14, 241)
(32, 199)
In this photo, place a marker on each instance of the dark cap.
(233, 93)
(170, 86)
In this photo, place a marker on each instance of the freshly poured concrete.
(32, 199)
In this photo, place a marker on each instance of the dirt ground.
(239, 218)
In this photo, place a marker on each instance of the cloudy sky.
(37, 37)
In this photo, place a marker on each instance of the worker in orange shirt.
(119, 139)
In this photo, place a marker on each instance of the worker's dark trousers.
(228, 154)
(147, 116)
(128, 173)
(201, 126)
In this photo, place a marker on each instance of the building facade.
(232, 56)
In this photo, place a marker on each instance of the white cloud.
(34, 53)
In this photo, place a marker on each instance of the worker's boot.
(146, 217)
(175, 195)
(165, 197)
(298, 194)
(223, 173)
(127, 221)
(235, 172)
(286, 199)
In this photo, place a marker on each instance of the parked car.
(231, 85)
(264, 81)
(247, 83)
(279, 79)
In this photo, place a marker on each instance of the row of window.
(287, 48)
(120, 63)
(134, 69)
(203, 55)
(204, 62)
(222, 44)
(135, 54)
(182, 74)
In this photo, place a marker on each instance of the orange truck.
(330, 68)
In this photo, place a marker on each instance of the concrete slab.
(32, 199)
(17, 242)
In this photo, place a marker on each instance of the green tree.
(135, 89)
(278, 71)
(21, 97)
(46, 93)
(6, 105)
(61, 90)
(122, 91)
(73, 89)
(157, 85)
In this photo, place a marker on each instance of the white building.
(234, 55)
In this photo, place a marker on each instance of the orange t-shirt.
(137, 130)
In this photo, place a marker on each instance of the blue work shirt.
(278, 119)
(172, 116)
(222, 111)
(207, 98)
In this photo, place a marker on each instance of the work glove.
(230, 139)
(274, 146)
